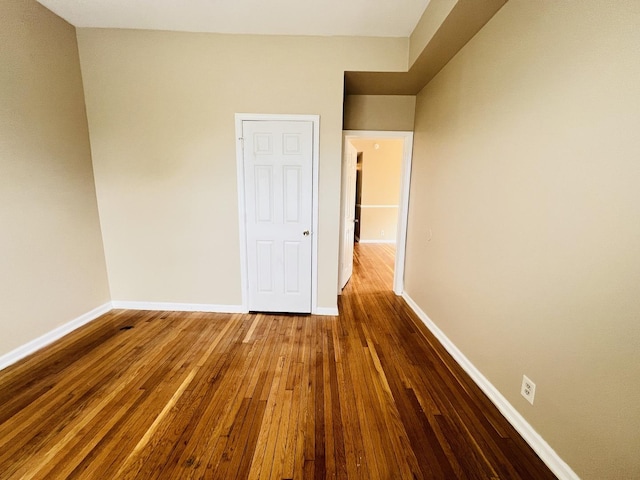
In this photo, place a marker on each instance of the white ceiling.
(383, 18)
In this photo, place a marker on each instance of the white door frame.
(315, 119)
(405, 185)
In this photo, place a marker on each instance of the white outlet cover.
(528, 389)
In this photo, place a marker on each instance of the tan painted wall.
(381, 173)
(430, 21)
(379, 112)
(51, 258)
(161, 111)
(378, 224)
(526, 170)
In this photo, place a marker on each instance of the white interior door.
(349, 166)
(278, 176)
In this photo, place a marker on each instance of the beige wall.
(381, 173)
(430, 21)
(379, 112)
(526, 170)
(161, 111)
(52, 262)
(378, 224)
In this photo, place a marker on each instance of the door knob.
(306, 233)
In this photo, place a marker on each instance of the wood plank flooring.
(366, 395)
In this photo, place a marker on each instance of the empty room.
(182, 292)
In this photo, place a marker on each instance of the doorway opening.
(376, 173)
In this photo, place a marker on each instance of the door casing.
(315, 119)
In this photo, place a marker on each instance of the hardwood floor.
(369, 394)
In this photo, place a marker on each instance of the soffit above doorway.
(465, 19)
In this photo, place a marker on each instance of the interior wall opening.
(377, 213)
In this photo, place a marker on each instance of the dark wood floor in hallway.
(369, 395)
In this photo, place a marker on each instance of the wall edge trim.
(178, 307)
(364, 240)
(546, 453)
(51, 336)
(327, 311)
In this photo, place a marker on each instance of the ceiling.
(380, 18)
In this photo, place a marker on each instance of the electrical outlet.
(528, 389)
(382, 233)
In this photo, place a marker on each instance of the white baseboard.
(362, 240)
(200, 307)
(36, 344)
(547, 454)
(179, 307)
(51, 336)
(329, 311)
